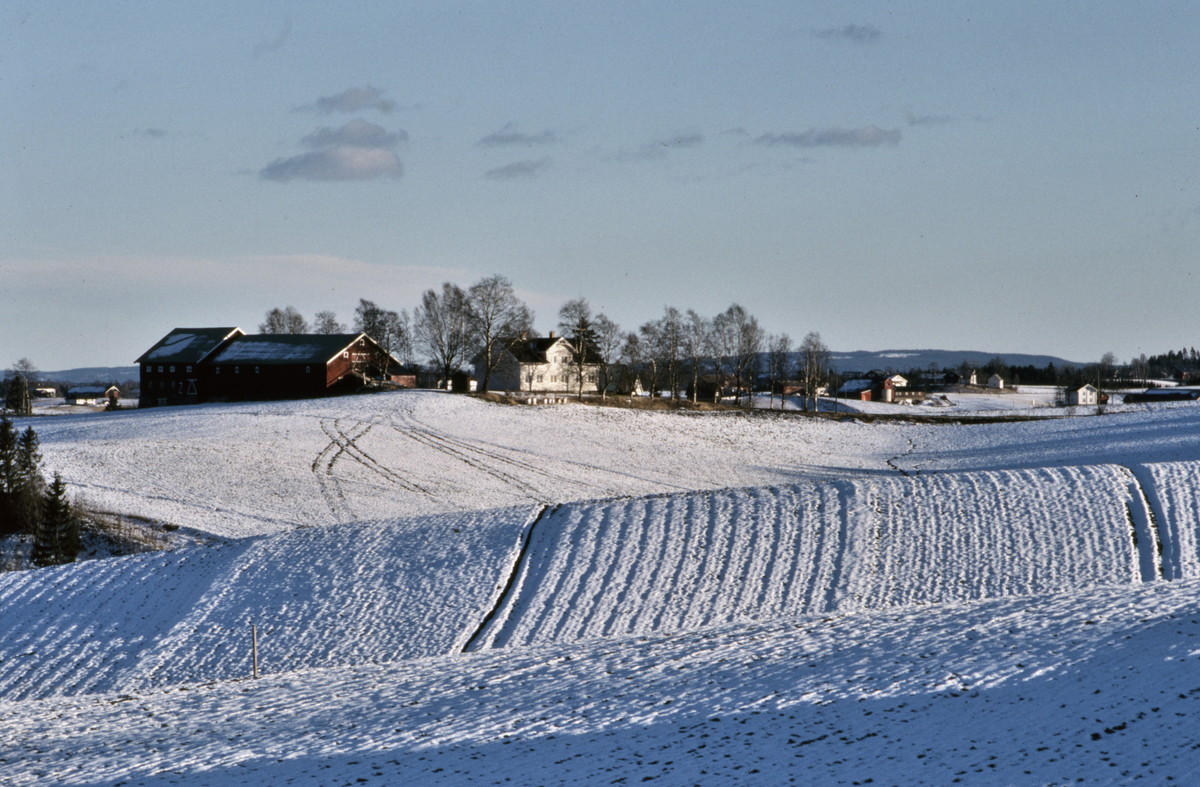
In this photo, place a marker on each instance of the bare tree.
(650, 345)
(327, 323)
(391, 330)
(779, 349)
(738, 340)
(575, 321)
(697, 340)
(286, 320)
(495, 312)
(814, 365)
(608, 349)
(670, 332)
(1108, 363)
(443, 330)
(20, 376)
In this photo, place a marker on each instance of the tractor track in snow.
(343, 442)
(406, 423)
(481, 459)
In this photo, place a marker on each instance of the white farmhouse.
(1086, 394)
(538, 365)
(995, 381)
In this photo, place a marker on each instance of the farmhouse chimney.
(551, 334)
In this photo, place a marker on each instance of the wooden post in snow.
(254, 647)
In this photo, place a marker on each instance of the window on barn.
(172, 370)
(218, 368)
(189, 370)
(237, 369)
(308, 370)
(256, 370)
(160, 368)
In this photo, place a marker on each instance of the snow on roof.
(860, 384)
(284, 348)
(187, 345)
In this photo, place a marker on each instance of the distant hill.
(92, 374)
(903, 360)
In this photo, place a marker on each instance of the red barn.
(233, 366)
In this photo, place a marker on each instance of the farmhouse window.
(172, 370)
(308, 370)
(256, 370)
(237, 370)
(539, 378)
(189, 370)
(218, 369)
(160, 368)
(149, 369)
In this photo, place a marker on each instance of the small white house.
(995, 381)
(1086, 394)
(539, 365)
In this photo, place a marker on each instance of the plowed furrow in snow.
(686, 561)
(1173, 488)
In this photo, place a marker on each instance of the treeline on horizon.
(450, 326)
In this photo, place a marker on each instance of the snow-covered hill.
(641, 596)
(1101, 685)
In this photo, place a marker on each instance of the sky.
(1001, 177)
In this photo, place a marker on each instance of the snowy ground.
(449, 592)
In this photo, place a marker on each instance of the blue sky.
(1003, 177)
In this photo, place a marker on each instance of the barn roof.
(269, 349)
(188, 345)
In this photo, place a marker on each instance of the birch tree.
(495, 312)
(443, 329)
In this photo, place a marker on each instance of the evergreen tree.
(30, 485)
(57, 539)
(9, 452)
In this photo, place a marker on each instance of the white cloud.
(357, 132)
(506, 136)
(868, 137)
(354, 99)
(519, 169)
(345, 162)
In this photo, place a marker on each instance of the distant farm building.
(92, 394)
(193, 365)
(1163, 395)
(878, 386)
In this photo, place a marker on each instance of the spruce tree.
(9, 453)
(57, 538)
(30, 485)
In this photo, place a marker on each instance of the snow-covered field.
(448, 591)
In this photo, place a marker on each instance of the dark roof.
(533, 350)
(269, 348)
(187, 345)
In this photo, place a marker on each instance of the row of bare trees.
(451, 327)
(674, 353)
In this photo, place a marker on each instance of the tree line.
(677, 354)
(31, 507)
